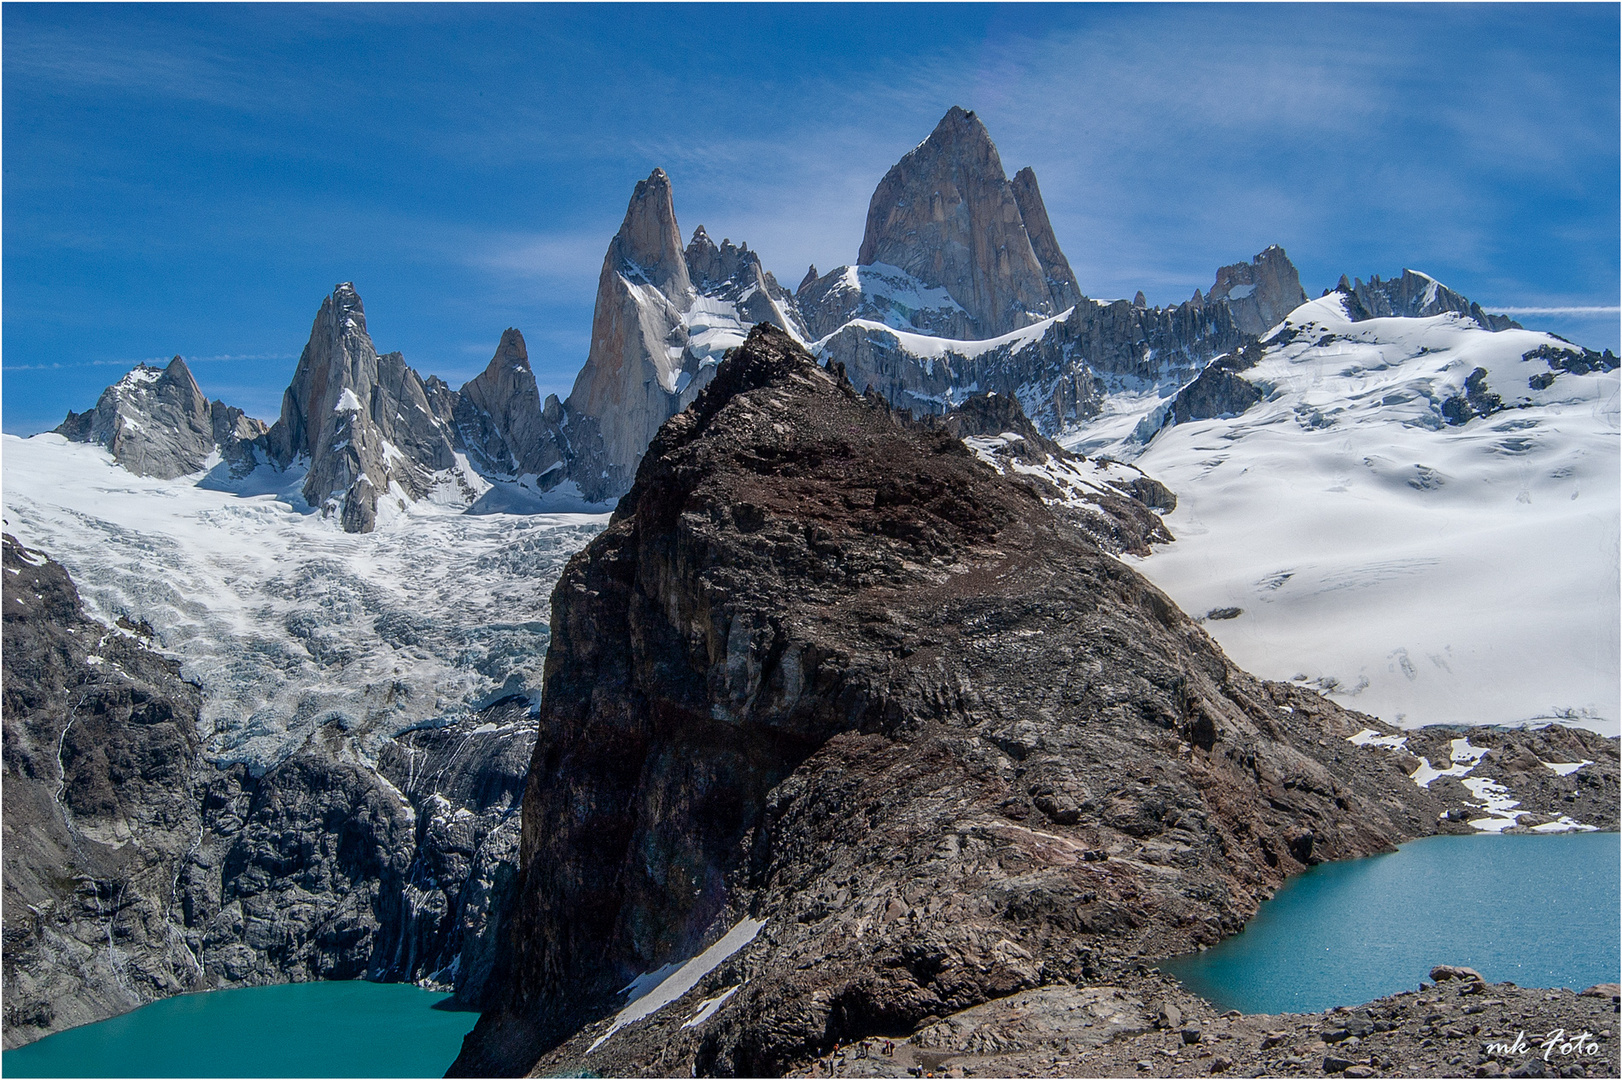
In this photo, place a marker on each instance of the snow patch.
(683, 979)
(709, 1006)
(1370, 737)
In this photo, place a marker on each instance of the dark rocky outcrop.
(1148, 1024)
(1261, 292)
(1477, 400)
(827, 671)
(158, 423)
(101, 809)
(1573, 359)
(1414, 296)
(135, 869)
(1219, 390)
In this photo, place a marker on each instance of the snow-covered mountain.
(1416, 514)
(960, 287)
(158, 423)
(1228, 399)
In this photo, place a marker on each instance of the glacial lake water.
(1532, 910)
(301, 1029)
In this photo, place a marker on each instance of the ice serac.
(664, 316)
(831, 689)
(1261, 292)
(362, 421)
(156, 422)
(501, 420)
(947, 215)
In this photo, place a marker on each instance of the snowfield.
(1417, 570)
(287, 622)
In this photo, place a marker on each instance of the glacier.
(1421, 570)
(287, 622)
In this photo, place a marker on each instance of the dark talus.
(827, 671)
(134, 869)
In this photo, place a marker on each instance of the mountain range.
(890, 607)
(960, 287)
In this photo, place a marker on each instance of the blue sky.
(194, 179)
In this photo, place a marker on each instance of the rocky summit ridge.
(960, 287)
(853, 734)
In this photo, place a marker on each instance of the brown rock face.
(1260, 292)
(827, 671)
(947, 215)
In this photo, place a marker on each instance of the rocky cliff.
(134, 868)
(845, 732)
(961, 287)
(1259, 293)
(158, 423)
(501, 421)
(360, 421)
(947, 215)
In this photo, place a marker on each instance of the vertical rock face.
(100, 810)
(1061, 280)
(947, 215)
(663, 319)
(630, 381)
(158, 423)
(500, 417)
(362, 421)
(1261, 292)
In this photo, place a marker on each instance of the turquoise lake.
(301, 1029)
(1532, 910)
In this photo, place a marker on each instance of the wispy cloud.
(151, 361)
(1613, 310)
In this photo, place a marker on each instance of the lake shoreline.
(1150, 1025)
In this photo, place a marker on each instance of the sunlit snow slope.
(287, 622)
(1422, 571)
